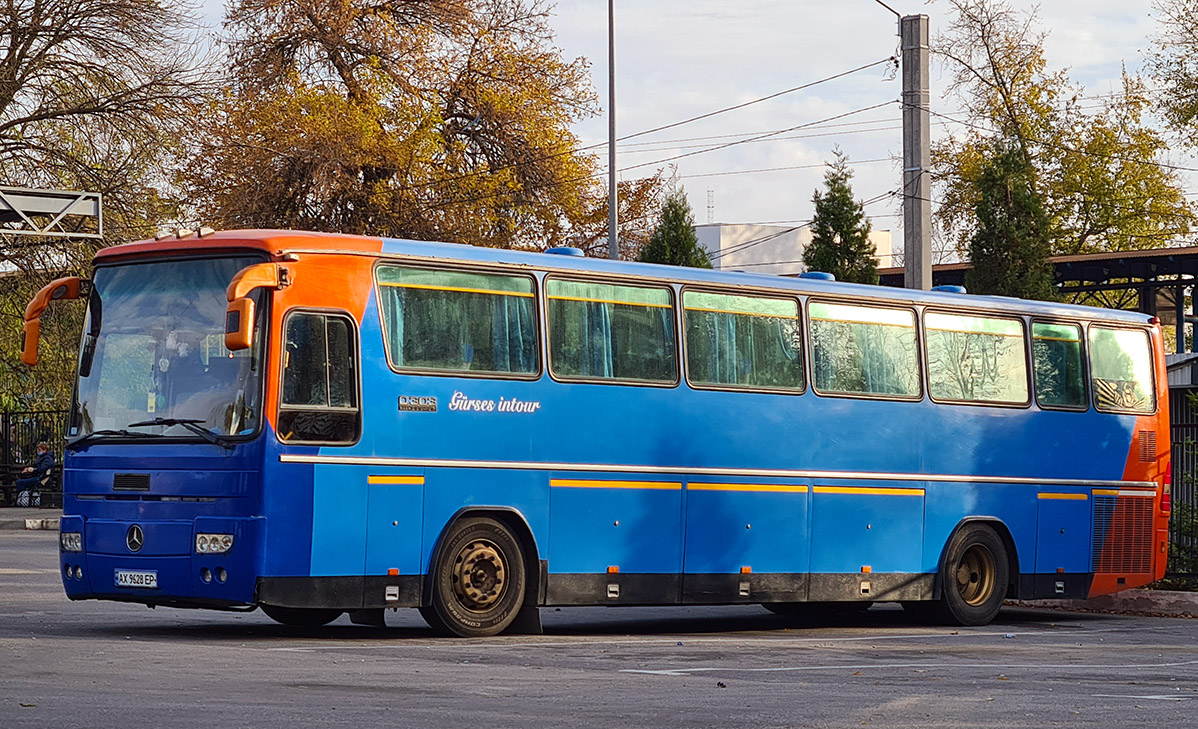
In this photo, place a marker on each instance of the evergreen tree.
(674, 241)
(840, 242)
(1011, 245)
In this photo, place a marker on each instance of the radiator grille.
(1147, 446)
(1122, 535)
(131, 482)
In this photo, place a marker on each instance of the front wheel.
(301, 617)
(478, 580)
(974, 576)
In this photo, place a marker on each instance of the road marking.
(16, 571)
(887, 666)
(1164, 697)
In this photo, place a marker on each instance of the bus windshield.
(160, 367)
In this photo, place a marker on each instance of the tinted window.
(599, 331)
(319, 400)
(742, 341)
(975, 359)
(458, 321)
(1121, 367)
(1057, 364)
(863, 350)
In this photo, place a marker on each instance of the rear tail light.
(1167, 489)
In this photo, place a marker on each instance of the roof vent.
(565, 251)
(950, 289)
(818, 275)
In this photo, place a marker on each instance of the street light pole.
(613, 230)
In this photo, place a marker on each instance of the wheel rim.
(975, 575)
(479, 575)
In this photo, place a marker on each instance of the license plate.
(132, 578)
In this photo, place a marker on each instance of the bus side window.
(975, 359)
(611, 332)
(1057, 364)
(863, 350)
(319, 400)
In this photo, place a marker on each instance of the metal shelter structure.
(50, 213)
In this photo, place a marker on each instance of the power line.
(763, 136)
(781, 169)
(663, 146)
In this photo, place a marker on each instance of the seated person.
(32, 475)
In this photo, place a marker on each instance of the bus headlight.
(70, 541)
(213, 543)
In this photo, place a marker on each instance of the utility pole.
(917, 142)
(613, 222)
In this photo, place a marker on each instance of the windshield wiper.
(192, 424)
(95, 434)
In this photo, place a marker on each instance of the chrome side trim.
(745, 472)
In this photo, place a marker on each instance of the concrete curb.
(27, 518)
(1167, 603)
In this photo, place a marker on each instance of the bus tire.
(478, 581)
(301, 617)
(974, 576)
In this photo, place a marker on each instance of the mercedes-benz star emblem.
(134, 538)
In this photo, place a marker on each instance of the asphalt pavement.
(102, 664)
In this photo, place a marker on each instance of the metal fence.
(20, 432)
(1183, 528)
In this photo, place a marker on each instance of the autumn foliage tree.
(431, 119)
(1097, 171)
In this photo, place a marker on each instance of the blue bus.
(320, 424)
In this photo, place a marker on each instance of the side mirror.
(60, 289)
(239, 314)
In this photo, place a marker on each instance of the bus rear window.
(742, 341)
(604, 332)
(863, 350)
(976, 359)
(458, 321)
(1121, 368)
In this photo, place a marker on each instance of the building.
(776, 249)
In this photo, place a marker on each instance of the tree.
(1010, 246)
(92, 97)
(840, 243)
(1098, 172)
(433, 119)
(1173, 64)
(674, 241)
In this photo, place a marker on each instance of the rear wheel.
(974, 576)
(478, 581)
(301, 617)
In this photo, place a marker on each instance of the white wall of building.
(775, 249)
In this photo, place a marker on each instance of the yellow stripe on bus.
(459, 289)
(395, 480)
(609, 301)
(763, 487)
(792, 317)
(565, 483)
(1105, 492)
(1064, 497)
(865, 491)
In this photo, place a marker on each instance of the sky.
(676, 59)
